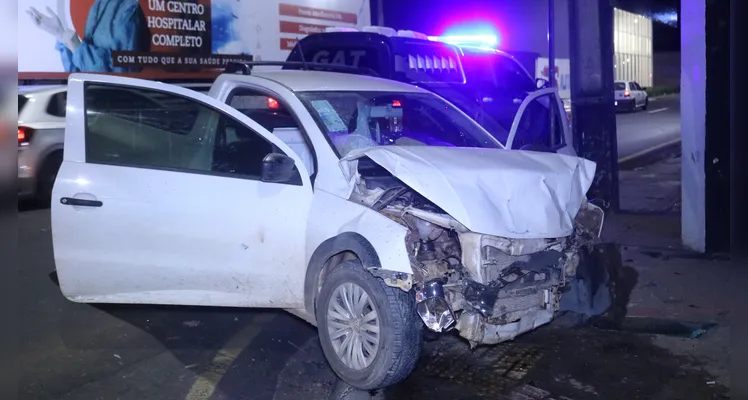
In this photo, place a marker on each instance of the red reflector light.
(396, 103)
(273, 103)
(24, 135)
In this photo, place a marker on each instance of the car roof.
(312, 81)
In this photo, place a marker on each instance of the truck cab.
(485, 83)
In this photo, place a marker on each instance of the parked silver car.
(629, 96)
(41, 133)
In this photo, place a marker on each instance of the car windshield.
(620, 85)
(497, 122)
(355, 120)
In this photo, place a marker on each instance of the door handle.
(69, 201)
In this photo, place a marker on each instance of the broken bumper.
(492, 315)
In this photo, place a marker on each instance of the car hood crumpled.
(508, 193)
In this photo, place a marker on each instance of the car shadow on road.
(192, 334)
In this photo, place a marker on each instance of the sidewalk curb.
(650, 156)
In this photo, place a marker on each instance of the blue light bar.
(471, 40)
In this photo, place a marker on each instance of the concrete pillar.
(591, 54)
(693, 123)
(705, 116)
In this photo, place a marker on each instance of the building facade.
(632, 48)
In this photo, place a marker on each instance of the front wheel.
(370, 332)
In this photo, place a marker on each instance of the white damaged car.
(367, 207)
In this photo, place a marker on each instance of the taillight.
(273, 103)
(24, 135)
(626, 93)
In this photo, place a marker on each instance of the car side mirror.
(277, 168)
(541, 83)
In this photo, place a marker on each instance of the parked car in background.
(41, 132)
(629, 96)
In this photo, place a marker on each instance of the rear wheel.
(632, 106)
(370, 332)
(45, 180)
(646, 103)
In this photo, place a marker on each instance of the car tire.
(45, 180)
(632, 106)
(646, 104)
(394, 353)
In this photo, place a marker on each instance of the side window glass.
(535, 128)
(277, 119)
(57, 105)
(265, 110)
(160, 130)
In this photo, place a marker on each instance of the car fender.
(339, 227)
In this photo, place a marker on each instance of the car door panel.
(544, 98)
(164, 236)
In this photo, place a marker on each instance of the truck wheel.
(45, 180)
(370, 332)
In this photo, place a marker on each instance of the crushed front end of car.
(488, 287)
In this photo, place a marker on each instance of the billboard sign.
(167, 38)
(563, 74)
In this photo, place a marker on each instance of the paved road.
(80, 351)
(645, 130)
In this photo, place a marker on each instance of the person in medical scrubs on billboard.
(112, 25)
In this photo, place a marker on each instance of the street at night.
(81, 351)
(648, 130)
(375, 200)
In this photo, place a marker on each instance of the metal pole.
(551, 45)
(380, 12)
(551, 70)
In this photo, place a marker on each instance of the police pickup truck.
(487, 84)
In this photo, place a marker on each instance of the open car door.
(532, 128)
(168, 196)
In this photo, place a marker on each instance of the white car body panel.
(333, 215)
(161, 243)
(513, 194)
